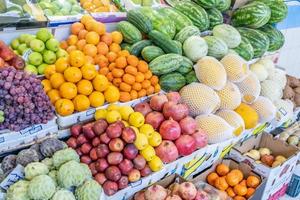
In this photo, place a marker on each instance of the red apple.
(143, 108)
(96, 141)
(71, 142)
(155, 119)
(125, 166)
(139, 162)
(186, 145)
(78, 151)
(104, 138)
(116, 145)
(85, 159)
(201, 138)
(188, 125)
(100, 126)
(87, 130)
(114, 130)
(85, 148)
(102, 151)
(123, 182)
(100, 178)
(174, 97)
(128, 135)
(170, 130)
(267, 159)
(93, 154)
(146, 171)
(113, 173)
(101, 165)
(120, 123)
(134, 175)
(114, 158)
(75, 130)
(167, 151)
(92, 167)
(130, 151)
(110, 188)
(157, 102)
(81, 139)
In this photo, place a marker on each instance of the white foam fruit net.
(271, 89)
(235, 66)
(217, 128)
(230, 96)
(264, 108)
(279, 76)
(211, 72)
(200, 99)
(233, 119)
(284, 109)
(249, 88)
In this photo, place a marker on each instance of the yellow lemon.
(113, 116)
(141, 141)
(112, 94)
(136, 119)
(147, 129)
(113, 107)
(148, 153)
(155, 139)
(125, 123)
(125, 111)
(100, 114)
(155, 164)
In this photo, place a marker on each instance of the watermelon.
(245, 49)
(276, 38)
(279, 10)
(151, 52)
(185, 66)
(258, 40)
(216, 47)
(187, 32)
(172, 82)
(228, 34)
(252, 15)
(191, 77)
(195, 13)
(207, 3)
(223, 5)
(215, 17)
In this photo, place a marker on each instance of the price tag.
(192, 166)
(14, 176)
(259, 129)
(226, 150)
(26, 54)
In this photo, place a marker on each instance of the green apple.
(37, 45)
(14, 44)
(49, 57)
(43, 34)
(35, 59)
(23, 37)
(48, 12)
(2, 118)
(61, 53)
(52, 45)
(31, 69)
(64, 11)
(41, 68)
(55, 7)
(22, 48)
(29, 39)
(16, 52)
(76, 8)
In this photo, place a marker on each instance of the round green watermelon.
(223, 5)
(207, 3)
(276, 38)
(245, 49)
(278, 8)
(215, 17)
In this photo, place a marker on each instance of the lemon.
(100, 114)
(147, 130)
(125, 123)
(155, 164)
(136, 119)
(136, 130)
(155, 139)
(148, 153)
(113, 107)
(125, 111)
(141, 141)
(113, 116)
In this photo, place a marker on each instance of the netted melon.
(248, 114)
(279, 76)
(200, 99)
(236, 67)
(230, 96)
(260, 71)
(249, 88)
(233, 119)
(271, 89)
(211, 72)
(217, 129)
(265, 109)
(267, 63)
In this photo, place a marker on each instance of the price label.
(260, 129)
(26, 54)
(193, 165)
(226, 150)
(14, 176)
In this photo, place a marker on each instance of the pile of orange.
(98, 6)
(233, 182)
(73, 84)
(131, 75)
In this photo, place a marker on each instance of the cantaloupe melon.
(230, 96)
(265, 109)
(249, 88)
(248, 114)
(233, 119)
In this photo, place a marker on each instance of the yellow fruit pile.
(98, 6)
(146, 137)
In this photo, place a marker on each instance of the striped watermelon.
(215, 17)
(276, 38)
(187, 32)
(207, 3)
(228, 34)
(195, 13)
(278, 8)
(258, 40)
(223, 5)
(253, 15)
(216, 47)
(245, 49)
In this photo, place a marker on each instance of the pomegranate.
(157, 102)
(188, 125)
(155, 119)
(156, 192)
(170, 130)
(201, 138)
(174, 97)
(110, 187)
(173, 197)
(167, 151)
(143, 108)
(202, 195)
(187, 191)
(140, 196)
(176, 111)
(100, 126)
(186, 145)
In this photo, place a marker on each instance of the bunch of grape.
(23, 100)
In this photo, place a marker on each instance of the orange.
(117, 81)
(61, 64)
(139, 77)
(154, 80)
(96, 99)
(63, 44)
(222, 169)
(240, 190)
(53, 95)
(56, 80)
(85, 18)
(68, 90)
(99, 28)
(104, 70)
(121, 62)
(132, 60)
(82, 34)
(117, 37)
(100, 83)
(92, 38)
(146, 84)
(112, 94)
(252, 181)
(72, 40)
(238, 173)
(212, 177)
(125, 96)
(124, 53)
(111, 56)
(143, 66)
(49, 70)
(111, 66)
(89, 60)
(81, 103)
(64, 107)
(129, 79)
(125, 87)
(150, 90)
(88, 71)
(77, 58)
(133, 94)
(221, 184)
(157, 88)
(80, 44)
(71, 48)
(137, 86)
(230, 192)
(131, 70)
(90, 50)
(250, 192)
(148, 74)
(117, 73)
(239, 198)
(97, 3)
(232, 179)
(142, 93)
(85, 87)
(102, 48)
(76, 27)
(73, 74)
(243, 182)
(109, 76)
(115, 47)
(46, 85)
(106, 38)
(101, 60)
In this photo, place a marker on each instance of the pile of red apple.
(171, 119)
(109, 151)
(9, 58)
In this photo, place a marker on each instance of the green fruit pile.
(60, 8)
(38, 50)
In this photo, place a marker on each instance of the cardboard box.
(247, 171)
(277, 177)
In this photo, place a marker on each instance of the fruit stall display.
(102, 6)
(60, 8)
